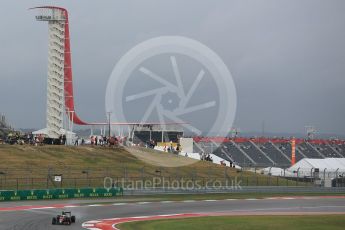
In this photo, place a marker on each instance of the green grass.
(319, 222)
(197, 197)
(29, 166)
(222, 196)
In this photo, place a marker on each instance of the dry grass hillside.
(24, 166)
(22, 160)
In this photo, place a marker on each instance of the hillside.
(34, 167)
(21, 159)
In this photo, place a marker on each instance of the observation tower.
(60, 112)
(59, 82)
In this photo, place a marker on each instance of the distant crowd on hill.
(30, 139)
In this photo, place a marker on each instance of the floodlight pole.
(109, 123)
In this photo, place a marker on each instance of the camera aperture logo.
(173, 79)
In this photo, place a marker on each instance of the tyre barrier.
(67, 193)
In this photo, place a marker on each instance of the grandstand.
(267, 152)
(156, 132)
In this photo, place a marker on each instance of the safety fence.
(68, 193)
(152, 182)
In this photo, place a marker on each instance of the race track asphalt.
(37, 219)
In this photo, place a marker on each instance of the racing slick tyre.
(54, 221)
(73, 219)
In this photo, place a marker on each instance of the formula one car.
(65, 218)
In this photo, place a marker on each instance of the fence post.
(324, 175)
(225, 172)
(336, 173)
(297, 179)
(287, 182)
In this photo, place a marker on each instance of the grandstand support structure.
(262, 152)
(281, 152)
(293, 151)
(334, 150)
(243, 152)
(227, 156)
(315, 149)
(300, 151)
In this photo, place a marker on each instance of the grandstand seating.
(308, 151)
(235, 154)
(255, 154)
(264, 152)
(286, 149)
(340, 148)
(277, 156)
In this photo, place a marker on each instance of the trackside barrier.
(47, 194)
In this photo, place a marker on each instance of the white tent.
(328, 167)
(41, 132)
(328, 164)
(274, 171)
(70, 135)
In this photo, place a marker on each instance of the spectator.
(101, 141)
(64, 139)
(76, 143)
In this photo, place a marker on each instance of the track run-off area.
(106, 214)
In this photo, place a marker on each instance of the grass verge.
(318, 222)
(199, 197)
(29, 167)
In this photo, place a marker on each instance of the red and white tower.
(60, 86)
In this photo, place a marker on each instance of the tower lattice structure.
(59, 83)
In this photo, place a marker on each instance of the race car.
(65, 218)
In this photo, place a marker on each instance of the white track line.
(144, 202)
(93, 222)
(41, 208)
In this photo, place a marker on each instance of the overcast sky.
(287, 58)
